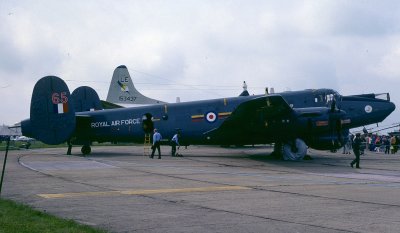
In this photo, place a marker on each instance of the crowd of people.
(375, 143)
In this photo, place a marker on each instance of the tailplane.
(122, 90)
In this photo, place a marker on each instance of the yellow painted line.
(224, 113)
(197, 116)
(82, 194)
(144, 192)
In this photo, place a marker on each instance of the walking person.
(356, 150)
(174, 143)
(156, 144)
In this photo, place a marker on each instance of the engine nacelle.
(328, 141)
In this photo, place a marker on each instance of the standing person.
(378, 143)
(368, 139)
(174, 143)
(392, 143)
(356, 150)
(156, 144)
(387, 144)
(345, 147)
(350, 143)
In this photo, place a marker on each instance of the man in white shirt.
(156, 144)
(174, 143)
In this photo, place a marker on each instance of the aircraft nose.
(382, 110)
(391, 106)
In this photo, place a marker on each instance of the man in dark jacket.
(356, 150)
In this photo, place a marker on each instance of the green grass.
(23, 219)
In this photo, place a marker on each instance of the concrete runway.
(210, 189)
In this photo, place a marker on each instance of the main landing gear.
(295, 150)
(292, 150)
(86, 149)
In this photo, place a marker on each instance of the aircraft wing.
(250, 111)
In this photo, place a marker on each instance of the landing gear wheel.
(86, 149)
(296, 150)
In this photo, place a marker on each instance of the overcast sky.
(206, 49)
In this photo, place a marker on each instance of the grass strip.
(20, 218)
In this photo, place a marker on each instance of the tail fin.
(52, 119)
(122, 90)
(86, 99)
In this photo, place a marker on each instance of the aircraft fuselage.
(199, 119)
(320, 117)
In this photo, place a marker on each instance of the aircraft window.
(319, 98)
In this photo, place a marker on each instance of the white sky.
(205, 48)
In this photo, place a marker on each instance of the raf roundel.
(368, 109)
(211, 117)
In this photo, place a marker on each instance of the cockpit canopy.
(326, 96)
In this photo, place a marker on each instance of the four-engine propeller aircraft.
(319, 118)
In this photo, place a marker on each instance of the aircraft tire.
(86, 149)
(295, 152)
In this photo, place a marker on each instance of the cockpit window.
(331, 95)
(319, 98)
(329, 98)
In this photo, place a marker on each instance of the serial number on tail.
(127, 98)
